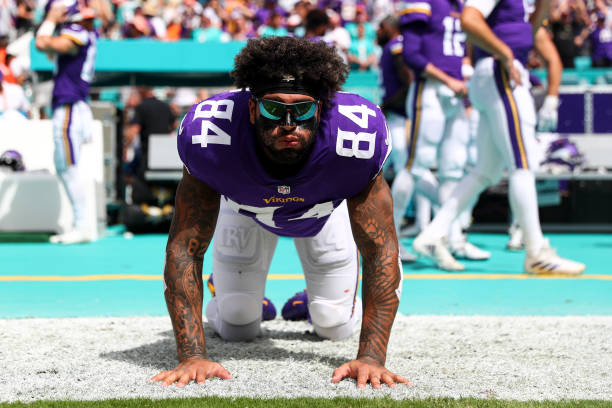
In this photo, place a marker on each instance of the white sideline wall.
(35, 200)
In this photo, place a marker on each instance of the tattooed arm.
(371, 214)
(193, 224)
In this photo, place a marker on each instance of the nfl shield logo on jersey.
(284, 189)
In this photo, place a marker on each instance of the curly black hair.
(314, 64)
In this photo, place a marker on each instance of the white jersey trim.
(484, 6)
(420, 5)
(80, 37)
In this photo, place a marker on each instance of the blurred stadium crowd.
(579, 28)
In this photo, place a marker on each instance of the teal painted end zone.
(143, 255)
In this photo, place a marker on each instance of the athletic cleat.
(405, 255)
(71, 237)
(268, 311)
(296, 307)
(436, 250)
(465, 250)
(515, 242)
(548, 262)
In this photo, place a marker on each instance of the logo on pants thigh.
(236, 242)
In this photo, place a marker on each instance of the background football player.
(74, 51)
(502, 32)
(434, 46)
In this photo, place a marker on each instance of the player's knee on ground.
(335, 322)
(238, 316)
(232, 333)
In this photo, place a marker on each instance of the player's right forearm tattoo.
(195, 217)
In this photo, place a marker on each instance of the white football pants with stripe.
(506, 135)
(72, 125)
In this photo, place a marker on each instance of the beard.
(275, 151)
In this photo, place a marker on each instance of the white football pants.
(72, 125)
(506, 134)
(438, 136)
(242, 252)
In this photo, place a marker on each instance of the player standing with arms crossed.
(434, 46)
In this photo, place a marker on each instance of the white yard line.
(518, 358)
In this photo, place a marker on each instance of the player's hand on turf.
(366, 370)
(192, 369)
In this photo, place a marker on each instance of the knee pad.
(234, 319)
(238, 309)
(328, 315)
(335, 323)
(247, 332)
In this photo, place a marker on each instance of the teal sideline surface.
(422, 295)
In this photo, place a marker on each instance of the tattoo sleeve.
(371, 215)
(195, 216)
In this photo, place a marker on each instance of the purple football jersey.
(73, 73)
(509, 20)
(601, 43)
(216, 142)
(437, 23)
(389, 77)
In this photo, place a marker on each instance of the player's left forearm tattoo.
(372, 223)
